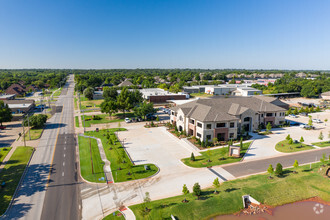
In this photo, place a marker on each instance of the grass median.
(104, 118)
(11, 175)
(88, 151)
(117, 216)
(322, 144)
(215, 157)
(35, 133)
(285, 147)
(3, 153)
(121, 166)
(289, 188)
(76, 119)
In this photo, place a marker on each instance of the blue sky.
(250, 34)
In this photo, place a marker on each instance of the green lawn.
(34, 132)
(201, 94)
(285, 147)
(90, 104)
(11, 174)
(75, 103)
(105, 118)
(58, 92)
(118, 158)
(277, 191)
(85, 160)
(322, 144)
(76, 119)
(3, 153)
(111, 216)
(218, 156)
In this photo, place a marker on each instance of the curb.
(247, 150)
(19, 184)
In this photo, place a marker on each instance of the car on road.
(128, 120)
(293, 116)
(316, 120)
(2, 127)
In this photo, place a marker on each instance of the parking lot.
(10, 134)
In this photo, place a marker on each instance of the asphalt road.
(257, 166)
(62, 197)
(34, 200)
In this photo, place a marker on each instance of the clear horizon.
(145, 34)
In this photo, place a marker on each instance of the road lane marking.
(62, 173)
(64, 148)
(64, 155)
(63, 163)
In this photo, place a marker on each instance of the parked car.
(293, 123)
(293, 116)
(303, 114)
(128, 120)
(150, 117)
(306, 126)
(2, 127)
(316, 120)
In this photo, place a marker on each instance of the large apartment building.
(224, 118)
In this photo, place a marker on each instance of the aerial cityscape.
(156, 109)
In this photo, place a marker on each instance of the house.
(17, 89)
(301, 75)
(7, 97)
(20, 106)
(225, 118)
(325, 95)
(125, 83)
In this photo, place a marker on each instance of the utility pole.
(90, 150)
(29, 126)
(24, 133)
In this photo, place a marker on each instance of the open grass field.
(85, 160)
(285, 147)
(3, 153)
(217, 157)
(289, 188)
(105, 118)
(11, 174)
(34, 132)
(112, 217)
(57, 93)
(120, 162)
(76, 119)
(322, 144)
(201, 95)
(89, 104)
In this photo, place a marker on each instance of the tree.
(216, 184)
(109, 106)
(146, 200)
(270, 170)
(144, 108)
(5, 113)
(157, 118)
(290, 141)
(324, 160)
(318, 109)
(310, 121)
(123, 101)
(110, 93)
(288, 137)
(185, 192)
(197, 190)
(295, 111)
(295, 165)
(321, 136)
(301, 139)
(36, 121)
(289, 112)
(268, 127)
(88, 93)
(279, 169)
(241, 143)
(192, 157)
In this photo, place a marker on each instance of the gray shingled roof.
(225, 109)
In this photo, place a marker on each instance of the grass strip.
(11, 175)
(76, 119)
(322, 144)
(285, 147)
(3, 153)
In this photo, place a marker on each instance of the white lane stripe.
(64, 148)
(62, 173)
(64, 155)
(63, 163)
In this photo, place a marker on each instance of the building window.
(199, 124)
(221, 125)
(172, 113)
(232, 124)
(208, 126)
(180, 118)
(275, 114)
(192, 121)
(231, 135)
(208, 137)
(262, 115)
(199, 135)
(247, 119)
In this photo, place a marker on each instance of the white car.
(293, 116)
(128, 120)
(316, 120)
(303, 125)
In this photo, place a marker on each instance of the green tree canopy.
(5, 113)
(88, 93)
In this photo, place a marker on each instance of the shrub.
(197, 190)
(270, 170)
(290, 141)
(279, 169)
(96, 117)
(288, 137)
(192, 157)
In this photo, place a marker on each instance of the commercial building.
(224, 118)
(7, 97)
(243, 89)
(20, 106)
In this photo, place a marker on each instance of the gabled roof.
(125, 83)
(225, 109)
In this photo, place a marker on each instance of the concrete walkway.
(128, 214)
(106, 167)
